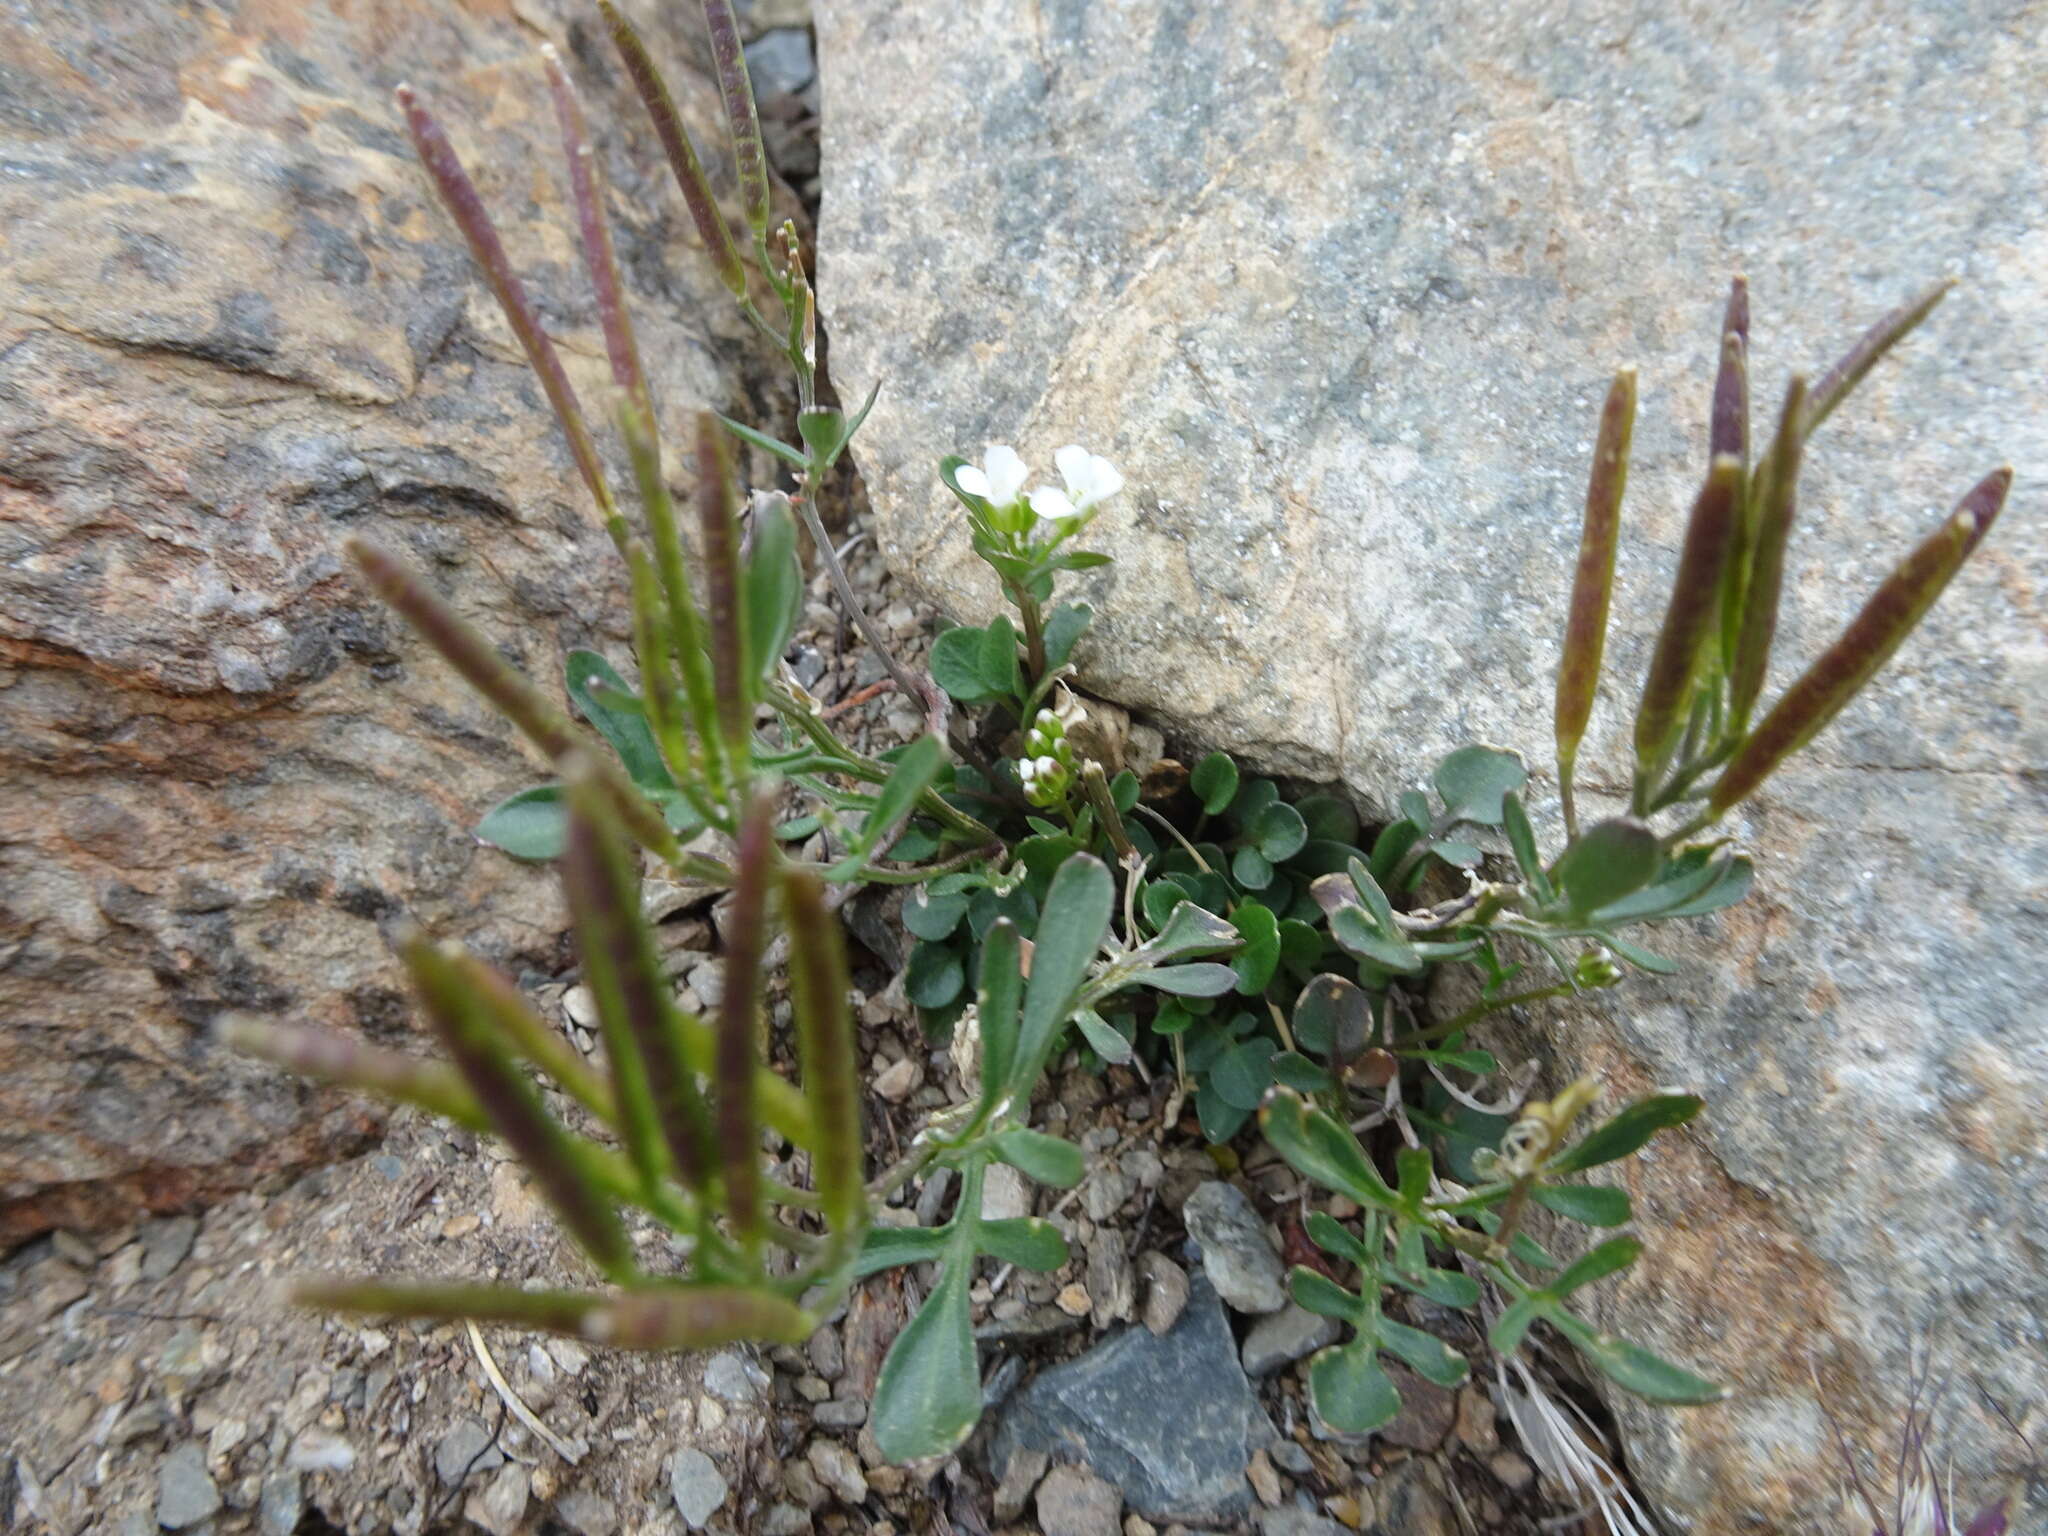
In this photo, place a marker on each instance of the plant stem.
(1475, 1013)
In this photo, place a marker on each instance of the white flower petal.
(972, 481)
(1006, 474)
(1104, 479)
(1073, 465)
(1053, 505)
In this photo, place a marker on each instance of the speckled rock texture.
(1340, 287)
(235, 328)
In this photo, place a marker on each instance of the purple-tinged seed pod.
(825, 1046)
(682, 156)
(1891, 614)
(502, 687)
(696, 1317)
(1754, 619)
(515, 1110)
(1835, 384)
(1729, 431)
(749, 156)
(724, 594)
(659, 1105)
(1688, 622)
(555, 1311)
(459, 195)
(328, 1056)
(1585, 630)
(594, 235)
(738, 1132)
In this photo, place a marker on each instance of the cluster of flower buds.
(1596, 968)
(1089, 478)
(1046, 768)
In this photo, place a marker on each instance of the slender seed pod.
(555, 1311)
(748, 154)
(696, 1317)
(1836, 383)
(659, 1106)
(515, 1110)
(1688, 623)
(667, 713)
(594, 235)
(686, 623)
(1841, 671)
(1729, 431)
(459, 195)
(682, 156)
(725, 596)
(825, 1046)
(328, 1056)
(542, 1046)
(1585, 630)
(738, 1128)
(1754, 624)
(504, 688)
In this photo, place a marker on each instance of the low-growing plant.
(1258, 946)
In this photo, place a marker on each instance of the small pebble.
(1073, 1501)
(1073, 1300)
(185, 1491)
(839, 1470)
(696, 1485)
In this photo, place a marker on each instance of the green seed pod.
(1689, 621)
(1891, 614)
(1585, 631)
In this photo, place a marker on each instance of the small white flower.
(997, 479)
(1048, 767)
(1091, 480)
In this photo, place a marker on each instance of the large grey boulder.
(235, 328)
(1340, 288)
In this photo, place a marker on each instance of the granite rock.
(235, 329)
(1168, 1420)
(1339, 288)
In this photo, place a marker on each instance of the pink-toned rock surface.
(236, 328)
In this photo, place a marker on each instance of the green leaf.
(1279, 831)
(1188, 931)
(1322, 1149)
(1296, 1071)
(1329, 818)
(1508, 1329)
(1316, 1292)
(1522, 838)
(1445, 1287)
(1024, 1241)
(1301, 947)
(1458, 853)
(1354, 931)
(1201, 979)
(1474, 781)
(1243, 1073)
(1597, 1205)
(1260, 956)
(999, 670)
(955, 665)
(1333, 1017)
(910, 777)
(1608, 861)
(1611, 1257)
(1350, 1390)
(1642, 958)
(533, 824)
(1071, 929)
(892, 1247)
(1220, 1118)
(1647, 1375)
(776, 446)
(1628, 1131)
(1063, 630)
(1002, 988)
(1214, 782)
(933, 917)
(934, 975)
(1391, 847)
(1046, 1159)
(626, 730)
(1103, 1037)
(775, 584)
(928, 1396)
(1251, 869)
(1428, 1357)
(1377, 907)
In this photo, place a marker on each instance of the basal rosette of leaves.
(1264, 951)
